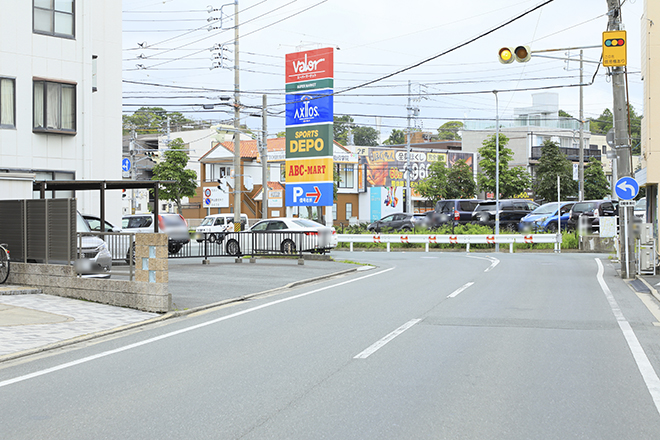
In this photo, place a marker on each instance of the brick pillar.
(151, 258)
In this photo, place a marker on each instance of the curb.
(166, 316)
(654, 292)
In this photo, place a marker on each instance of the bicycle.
(4, 263)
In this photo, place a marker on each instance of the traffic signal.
(522, 54)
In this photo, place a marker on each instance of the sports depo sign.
(309, 118)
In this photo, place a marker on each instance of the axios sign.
(309, 108)
(309, 65)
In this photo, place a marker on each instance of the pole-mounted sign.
(614, 48)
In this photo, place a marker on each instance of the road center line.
(460, 289)
(378, 345)
(178, 332)
(643, 364)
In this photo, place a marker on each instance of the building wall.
(94, 152)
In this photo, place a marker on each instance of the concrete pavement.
(31, 322)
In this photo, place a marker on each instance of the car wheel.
(406, 229)
(128, 254)
(212, 238)
(552, 228)
(288, 247)
(233, 248)
(174, 248)
(199, 240)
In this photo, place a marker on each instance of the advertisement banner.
(386, 166)
(313, 107)
(309, 194)
(318, 169)
(309, 65)
(309, 141)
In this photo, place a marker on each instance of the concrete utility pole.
(581, 164)
(407, 205)
(237, 125)
(497, 169)
(264, 160)
(622, 143)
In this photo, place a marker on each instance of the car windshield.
(208, 221)
(548, 208)
(584, 206)
(81, 224)
(485, 207)
(305, 223)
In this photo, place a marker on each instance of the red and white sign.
(309, 65)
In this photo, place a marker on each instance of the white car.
(174, 225)
(214, 227)
(283, 235)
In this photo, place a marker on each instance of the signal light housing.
(522, 54)
(505, 55)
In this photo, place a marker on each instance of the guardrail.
(451, 239)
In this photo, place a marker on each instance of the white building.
(60, 97)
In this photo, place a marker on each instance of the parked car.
(590, 211)
(174, 225)
(398, 222)
(445, 210)
(214, 227)
(94, 259)
(640, 209)
(544, 218)
(511, 211)
(285, 235)
(94, 223)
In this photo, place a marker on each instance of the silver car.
(94, 259)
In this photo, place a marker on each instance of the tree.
(554, 163)
(563, 114)
(365, 136)
(460, 181)
(596, 185)
(513, 181)
(397, 137)
(174, 168)
(604, 123)
(435, 186)
(341, 128)
(148, 120)
(449, 130)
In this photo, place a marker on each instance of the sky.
(167, 43)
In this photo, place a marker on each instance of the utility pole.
(622, 145)
(131, 152)
(237, 120)
(408, 204)
(264, 159)
(581, 164)
(497, 169)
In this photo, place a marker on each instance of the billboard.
(313, 107)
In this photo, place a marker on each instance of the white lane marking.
(177, 332)
(378, 345)
(494, 261)
(460, 289)
(643, 364)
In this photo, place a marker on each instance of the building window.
(54, 17)
(349, 211)
(346, 175)
(7, 103)
(217, 171)
(54, 107)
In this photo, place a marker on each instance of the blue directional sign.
(309, 194)
(626, 188)
(126, 164)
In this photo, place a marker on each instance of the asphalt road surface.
(425, 346)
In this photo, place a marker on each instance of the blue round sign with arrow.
(125, 164)
(626, 188)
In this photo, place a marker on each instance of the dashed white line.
(459, 290)
(643, 364)
(378, 345)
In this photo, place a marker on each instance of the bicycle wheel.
(4, 265)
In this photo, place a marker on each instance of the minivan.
(214, 227)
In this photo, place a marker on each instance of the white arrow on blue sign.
(626, 188)
(126, 164)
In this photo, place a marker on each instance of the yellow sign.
(614, 48)
(309, 170)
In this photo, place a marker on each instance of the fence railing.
(466, 240)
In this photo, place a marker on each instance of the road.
(439, 345)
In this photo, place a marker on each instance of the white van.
(216, 225)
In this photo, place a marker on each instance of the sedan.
(282, 235)
(544, 218)
(398, 222)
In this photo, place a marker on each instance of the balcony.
(573, 154)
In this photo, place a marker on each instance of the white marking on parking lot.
(180, 331)
(494, 262)
(643, 364)
(378, 345)
(459, 290)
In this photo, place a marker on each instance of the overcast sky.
(372, 38)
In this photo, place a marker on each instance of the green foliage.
(150, 120)
(397, 137)
(365, 136)
(174, 168)
(603, 124)
(460, 181)
(554, 163)
(434, 187)
(336, 180)
(563, 114)
(596, 185)
(513, 180)
(342, 127)
(449, 130)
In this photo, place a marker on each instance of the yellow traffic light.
(522, 54)
(506, 55)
